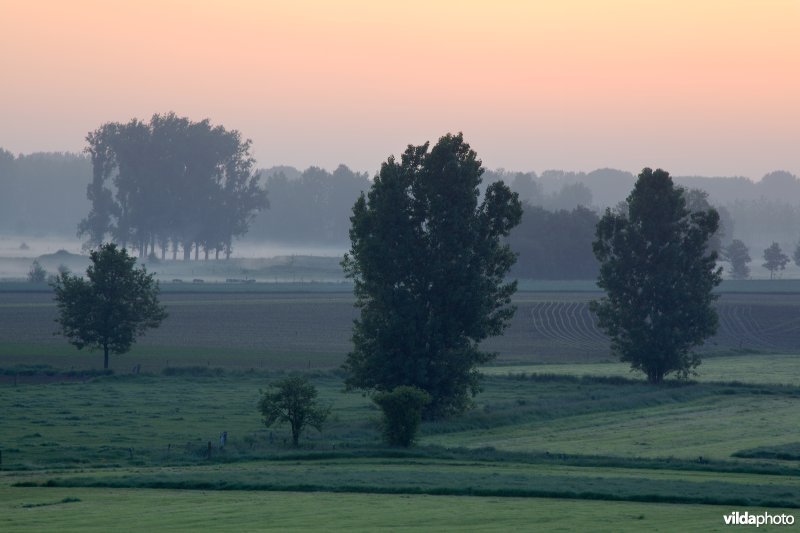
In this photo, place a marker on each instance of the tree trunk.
(187, 251)
(196, 251)
(105, 356)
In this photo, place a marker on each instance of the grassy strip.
(556, 396)
(172, 510)
(455, 482)
(491, 455)
(50, 371)
(785, 452)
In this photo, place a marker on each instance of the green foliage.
(112, 307)
(658, 275)
(293, 400)
(774, 259)
(796, 255)
(37, 273)
(402, 413)
(429, 271)
(738, 254)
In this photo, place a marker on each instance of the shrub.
(402, 413)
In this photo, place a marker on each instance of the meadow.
(560, 437)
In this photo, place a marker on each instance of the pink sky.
(706, 87)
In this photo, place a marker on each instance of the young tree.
(658, 274)
(429, 270)
(107, 311)
(738, 254)
(774, 259)
(293, 400)
(37, 273)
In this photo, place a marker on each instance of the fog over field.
(45, 200)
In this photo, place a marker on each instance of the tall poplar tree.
(658, 274)
(429, 270)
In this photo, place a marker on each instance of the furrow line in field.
(591, 326)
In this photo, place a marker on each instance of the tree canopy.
(658, 275)
(293, 400)
(429, 270)
(108, 310)
(170, 183)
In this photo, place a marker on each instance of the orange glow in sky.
(706, 87)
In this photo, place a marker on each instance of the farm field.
(311, 330)
(558, 436)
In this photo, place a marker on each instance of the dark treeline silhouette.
(169, 184)
(46, 194)
(313, 206)
(43, 193)
(555, 244)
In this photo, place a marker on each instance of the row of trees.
(774, 259)
(429, 260)
(170, 184)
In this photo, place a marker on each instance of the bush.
(402, 413)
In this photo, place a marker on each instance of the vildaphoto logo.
(748, 519)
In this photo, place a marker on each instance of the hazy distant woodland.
(43, 197)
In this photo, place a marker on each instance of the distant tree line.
(43, 193)
(312, 206)
(555, 245)
(170, 184)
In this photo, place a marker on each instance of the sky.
(697, 87)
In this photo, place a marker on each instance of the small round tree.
(402, 413)
(774, 259)
(293, 400)
(108, 310)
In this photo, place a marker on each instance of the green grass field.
(104, 510)
(578, 445)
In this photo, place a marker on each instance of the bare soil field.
(302, 330)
